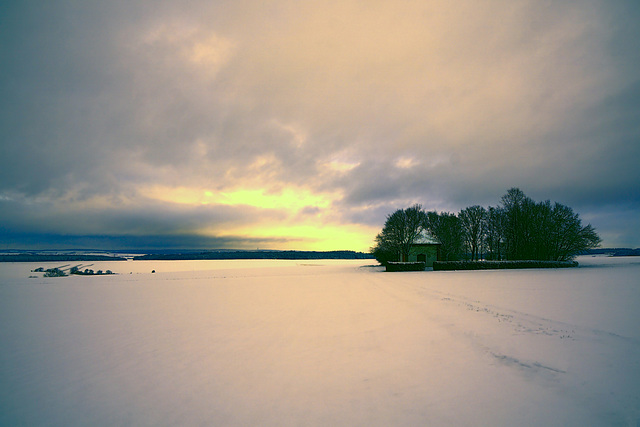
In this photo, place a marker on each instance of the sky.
(302, 125)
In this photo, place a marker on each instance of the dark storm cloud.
(112, 216)
(147, 224)
(388, 105)
(115, 242)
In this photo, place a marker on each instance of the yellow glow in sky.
(309, 236)
(291, 199)
(287, 199)
(313, 232)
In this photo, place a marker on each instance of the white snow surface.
(320, 343)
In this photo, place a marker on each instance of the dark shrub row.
(53, 272)
(500, 265)
(406, 266)
(88, 272)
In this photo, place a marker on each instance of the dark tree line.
(517, 229)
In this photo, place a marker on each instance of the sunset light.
(289, 199)
(303, 125)
(320, 213)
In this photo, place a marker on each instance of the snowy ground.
(278, 343)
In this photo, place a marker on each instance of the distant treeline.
(614, 251)
(30, 257)
(222, 255)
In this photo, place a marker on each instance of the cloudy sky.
(301, 125)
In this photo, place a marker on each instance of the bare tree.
(400, 231)
(543, 231)
(569, 236)
(494, 233)
(445, 228)
(472, 222)
(515, 205)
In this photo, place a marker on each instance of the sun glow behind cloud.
(290, 199)
(308, 234)
(297, 217)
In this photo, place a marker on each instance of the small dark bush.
(54, 272)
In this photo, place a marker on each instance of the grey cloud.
(99, 99)
(117, 242)
(142, 218)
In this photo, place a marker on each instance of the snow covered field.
(278, 343)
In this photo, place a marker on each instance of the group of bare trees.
(542, 231)
(517, 229)
(400, 231)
